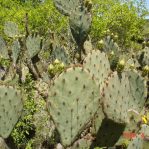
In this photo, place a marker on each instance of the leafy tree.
(124, 18)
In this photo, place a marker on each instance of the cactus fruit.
(11, 29)
(116, 94)
(98, 66)
(3, 49)
(56, 68)
(145, 71)
(72, 93)
(137, 91)
(121, 65)
(10, 109)
(33, 45)
(15, 51)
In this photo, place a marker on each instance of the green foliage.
(25, 127)
(4, 62)
(41, 17)
(121, 19)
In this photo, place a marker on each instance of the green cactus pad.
(3, 49)
(66, 6)
(80, 23)
(33, 45)
(116, 97)
(145, 134)
(98, 66)
(143, 56)
(137, 91)
(60, 54)
(146, 56)
(11, 29)
(110, 45)
(136, 143)
(72, 102)
(15, 51)
(10, 109)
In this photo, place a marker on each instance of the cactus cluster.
(89, 99)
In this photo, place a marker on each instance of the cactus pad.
(3, 49)
(80, 23)
(73, 93)
(33, 45)
(15, 51)
(10, 109)
(66, 6)
(110, 45)
(116, 96)
(60, 54)
(137, 90)
(98, 65)
(11, 29)
(136, 143)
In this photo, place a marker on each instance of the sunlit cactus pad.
(10, 109)
(98, 66)
(116, 97)
(33, 45)
(3, 49)
(15, 50)
(137, 90)
(66, 6)
(72, 102)
(11, 29)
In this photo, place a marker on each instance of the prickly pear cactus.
(3, 49)
(15, 51)
(11, 29)
(146, 56)
(116, 97)
(136, 143)
(10, 109)
(73, 93)
(137, 90)
(33, 45)
(60, 54)
(145, 135)
(143, 56)
(110, 45)
(80, 23)
(97, 64)
(67, 6)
